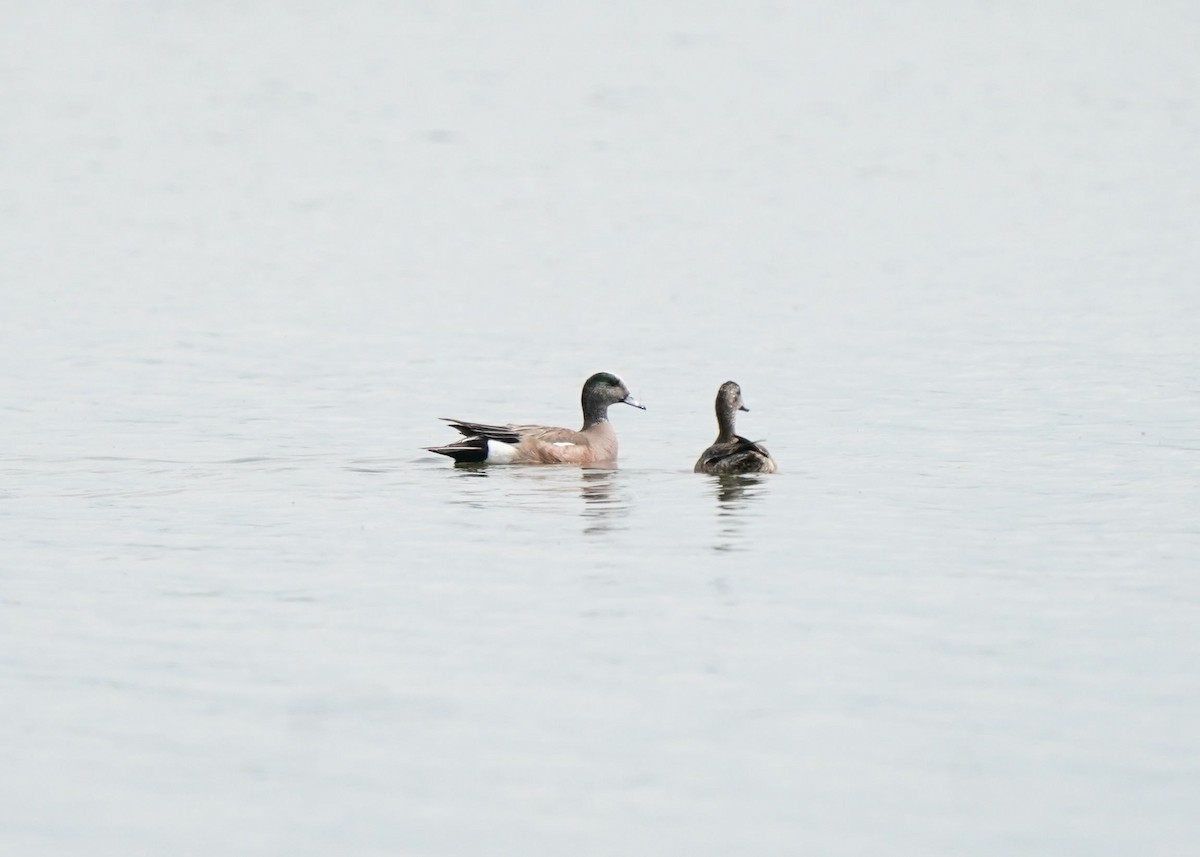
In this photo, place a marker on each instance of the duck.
(595, 443)
(731, 453)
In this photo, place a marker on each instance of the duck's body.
(596, 442)
(531, 444)
(731, 453)
(738, 455)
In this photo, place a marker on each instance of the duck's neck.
(594, 412)
(725, 418)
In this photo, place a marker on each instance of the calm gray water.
(250, 252)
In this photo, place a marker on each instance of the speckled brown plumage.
(732, 453)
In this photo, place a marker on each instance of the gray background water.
(249, 254)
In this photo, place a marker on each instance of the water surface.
(251, 254)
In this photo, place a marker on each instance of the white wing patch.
(564, 443)
(500, 452)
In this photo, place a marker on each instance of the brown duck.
(595, 443)
(731, 453)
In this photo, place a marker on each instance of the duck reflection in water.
(734, 495)
(604, 504)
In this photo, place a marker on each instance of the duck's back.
(736, 456)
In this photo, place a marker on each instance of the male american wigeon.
(530, 444)
(732, 453)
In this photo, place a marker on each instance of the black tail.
(507, 434)
(471, 449)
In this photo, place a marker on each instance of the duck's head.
(604, 389)
(729, 397)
